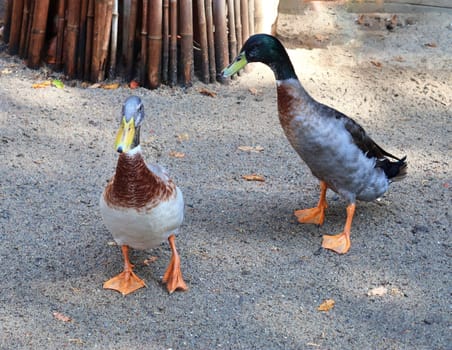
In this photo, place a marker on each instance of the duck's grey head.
(132, 117)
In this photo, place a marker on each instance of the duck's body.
(336, 148)
(140, 208)
(141, 205)
(322, 138)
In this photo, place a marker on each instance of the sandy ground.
(256, 277)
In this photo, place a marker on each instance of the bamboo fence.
(149, 41)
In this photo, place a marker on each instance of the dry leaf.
(110, 86)
(253, 91)
(396, 292)
(150, 260)
(432, 44)
(377, 291)
(391, 23)
(61, 317)
(320, 37)
(360, 20)
(176, 154)
(44, 84)
(394, 19)
(94, 86)
(255, 149)
(182, 137)
(376, 63)
(207, 92)
(134, 84)
(327, 305)
(254, 177)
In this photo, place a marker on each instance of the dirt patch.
(257, 279)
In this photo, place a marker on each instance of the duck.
(141, 205)
(337, 150)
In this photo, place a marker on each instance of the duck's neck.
(131, 167)
(293, 101)
(134, 185)
(282, 66)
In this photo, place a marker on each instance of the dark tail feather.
(395, 171)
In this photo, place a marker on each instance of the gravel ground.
(256, 276)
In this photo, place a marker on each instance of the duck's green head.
(132, 116)
(266, 49)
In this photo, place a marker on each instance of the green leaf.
(57, 83)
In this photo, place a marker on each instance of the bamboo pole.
(82, 38)
(144, 46)
(232, 34)
(40, 13)
(186, 33)
(71, 38)
(60, 33)
(99, 7)
(102, 24)
(186, 41)
(125, 30)
(114, 39)
(173, 44)
(251, 16)
(105, 40)
(165, 49)
(7, 20)
(14, 35)
(28, 29)
(130, 41)
(221, 36)
(155, 43)
(89, 40)
(245, 23)
(210, 41)
(23, 32)
(203, 41)
(238, 24)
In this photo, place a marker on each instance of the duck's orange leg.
(173, 275)
(341, 243)
(314, 215)
(126, 282)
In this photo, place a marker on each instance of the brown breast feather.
(288, 105)
(135, 186)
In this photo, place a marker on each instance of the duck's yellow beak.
(125, 136)
(239, 62)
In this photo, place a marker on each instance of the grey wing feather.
(159, 171)
(361, 139)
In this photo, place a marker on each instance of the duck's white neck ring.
(134, 151)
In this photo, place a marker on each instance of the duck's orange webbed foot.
(126, 282)
(173, 275)
(310, 216)
(341, 243)
(314, 215)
